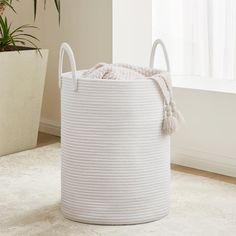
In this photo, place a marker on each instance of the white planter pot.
(22, 77)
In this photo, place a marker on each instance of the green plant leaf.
(8, 4)
(58, 7)
(22, 28)
(35, 8)
(56, 3)
(28, 35)
(10, 37)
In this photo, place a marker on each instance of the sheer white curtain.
(200, 36)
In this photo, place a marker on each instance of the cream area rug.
(30, 202)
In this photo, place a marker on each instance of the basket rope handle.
(66, 47)
(153, 53)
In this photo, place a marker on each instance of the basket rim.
(68, 75)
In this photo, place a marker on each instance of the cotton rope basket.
(115, 157)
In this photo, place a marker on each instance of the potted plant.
(22, 74)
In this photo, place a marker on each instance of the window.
(200, 37)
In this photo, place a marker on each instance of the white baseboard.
(204, 161)
(50, 127)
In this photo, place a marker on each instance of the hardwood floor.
(46, 139)
(204, 173)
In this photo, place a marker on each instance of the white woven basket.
(115, 159)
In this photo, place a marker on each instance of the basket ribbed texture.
(115, 159)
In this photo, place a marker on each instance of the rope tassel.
(172, 118)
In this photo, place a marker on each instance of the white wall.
(85, 24)
(132, 31)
